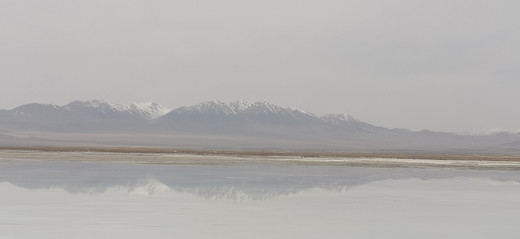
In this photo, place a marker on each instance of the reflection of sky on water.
(245, 181)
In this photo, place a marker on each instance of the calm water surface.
(116, 200)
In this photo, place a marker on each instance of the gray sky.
(449, 65)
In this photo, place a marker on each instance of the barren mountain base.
(210, 157)
(308, 142)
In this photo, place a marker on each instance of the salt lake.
(63, 199)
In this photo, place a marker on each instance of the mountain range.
(226, 125)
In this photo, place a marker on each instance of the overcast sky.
(444, 65)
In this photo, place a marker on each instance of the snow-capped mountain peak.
(148, 110)
(239, 108)
(220, 107)
(217, 107)
(339, 118)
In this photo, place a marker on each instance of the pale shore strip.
(208, 157)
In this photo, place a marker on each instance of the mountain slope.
(233, 125)
(221, 116)
(80, 116)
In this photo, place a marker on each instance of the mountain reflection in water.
(236, 182)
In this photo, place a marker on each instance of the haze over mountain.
(229, 125)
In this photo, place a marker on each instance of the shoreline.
(136, 155)
(270, 153)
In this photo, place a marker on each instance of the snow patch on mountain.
(146, 110)
(153, 110)
(217, 107)
(339, 118)
(240, 107)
